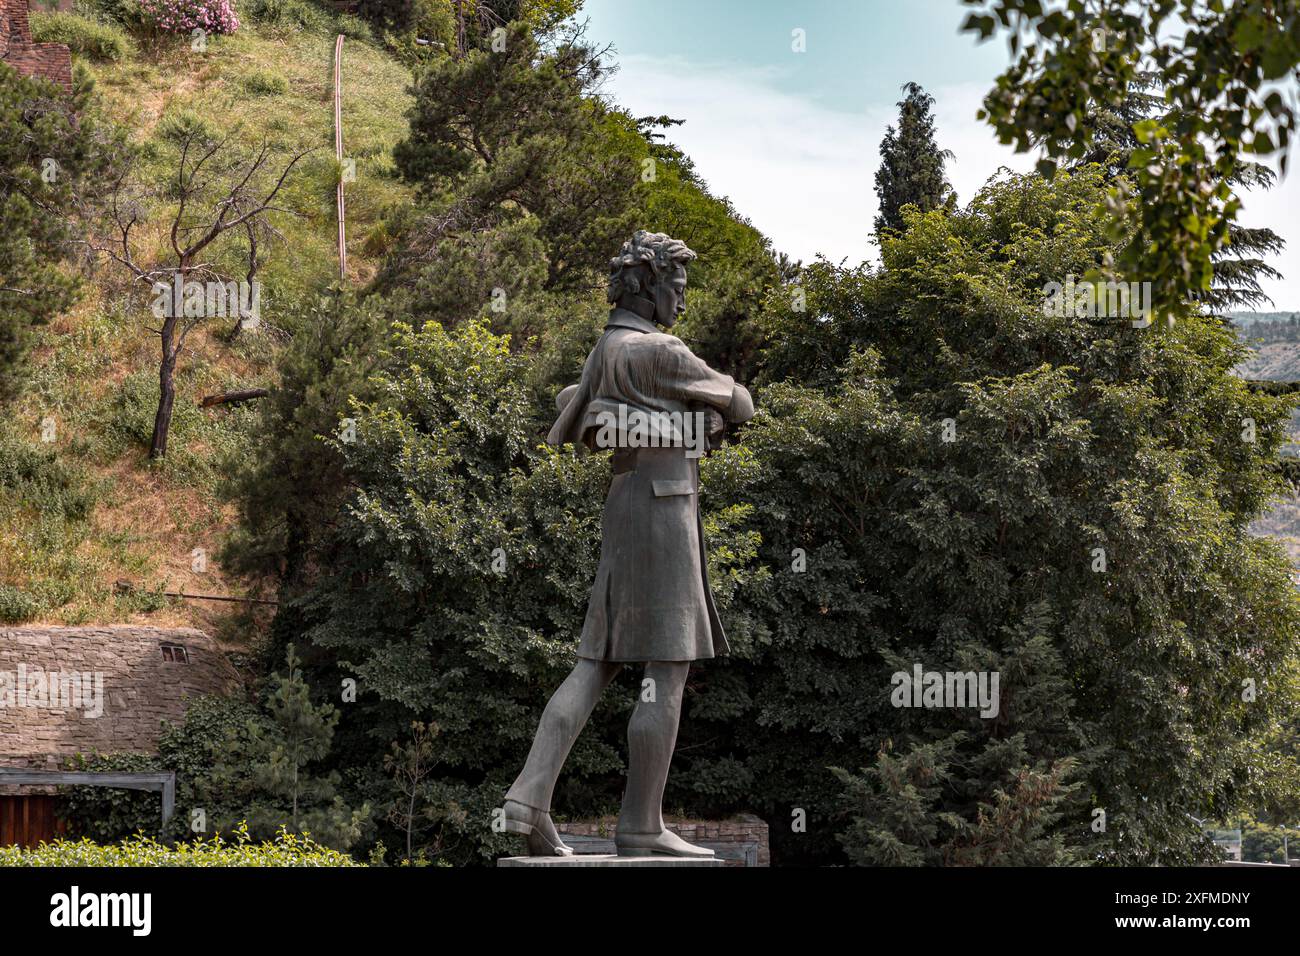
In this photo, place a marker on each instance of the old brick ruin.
(51, 61)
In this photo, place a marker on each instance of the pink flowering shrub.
(186, 16)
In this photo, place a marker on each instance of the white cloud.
(801, 172)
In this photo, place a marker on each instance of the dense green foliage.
(523, 189)
(447, 471)
(189, 748)
(289, 491)
(1069, 435)
(99, 41)
(269, 769)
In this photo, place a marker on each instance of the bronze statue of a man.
(646, 395)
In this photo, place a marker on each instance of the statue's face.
(670, 297)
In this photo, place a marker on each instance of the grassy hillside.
(84, 507)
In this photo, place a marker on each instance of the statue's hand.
(714, 425)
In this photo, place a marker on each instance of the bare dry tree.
(216, 192)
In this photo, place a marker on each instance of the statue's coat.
(651, 598)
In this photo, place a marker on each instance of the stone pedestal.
(740, 840)
(605, 859)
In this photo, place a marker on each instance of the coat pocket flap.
(665, 487)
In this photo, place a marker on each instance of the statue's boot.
(536, 826)
(663, 843)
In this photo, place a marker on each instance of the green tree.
(419, 807)
(1220, 66)
(1238, 264)
(911, 164)
(520, 186)
(55, 156)
(266, 770)
(288, 492)
(455, 575)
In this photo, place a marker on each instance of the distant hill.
(1283, 523)
(1274, 338)
(1275, 362)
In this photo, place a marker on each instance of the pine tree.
(1239, 267)
(518, 175)
(911, 164)
(267, 766)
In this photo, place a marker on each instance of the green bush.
(174, 127)
(105, 814)
(353, 27)
(34, 477)
(16, 605)
(265, 83)
(284, 850)
(128, 418)
(290, 13)
(98, 41)
(125, 12)
(124, 420)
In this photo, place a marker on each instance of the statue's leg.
(563, 719)
(651, 737)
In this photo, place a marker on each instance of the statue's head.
(650, 270)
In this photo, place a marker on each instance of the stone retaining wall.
(140, 689)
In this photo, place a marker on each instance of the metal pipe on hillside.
(338, 153)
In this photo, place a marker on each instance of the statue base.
(607, 859)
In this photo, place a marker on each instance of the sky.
(792, 138)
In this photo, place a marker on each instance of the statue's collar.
(624, 319)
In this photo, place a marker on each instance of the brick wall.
(16, 26)
(739, 841)
(52, 61)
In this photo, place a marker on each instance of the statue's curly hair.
(654, 249)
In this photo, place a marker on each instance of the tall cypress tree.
(911, 163)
